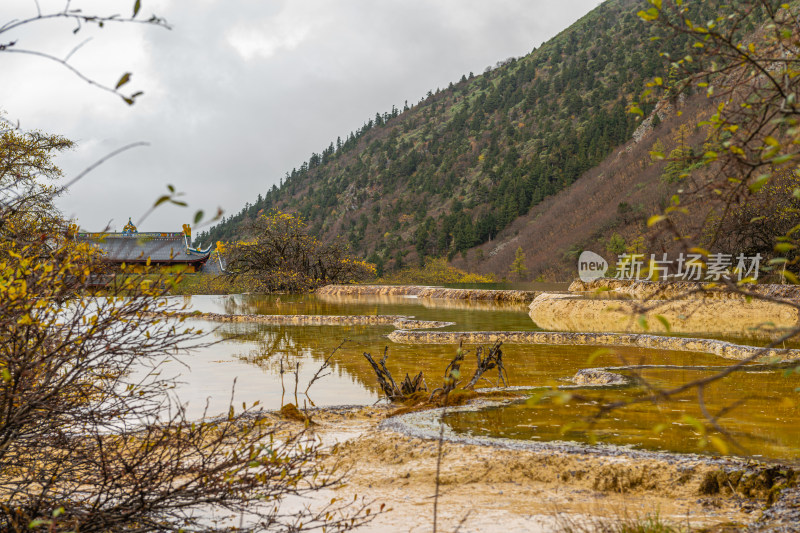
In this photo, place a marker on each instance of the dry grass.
(650, 523)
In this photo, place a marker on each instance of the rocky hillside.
(498, 160)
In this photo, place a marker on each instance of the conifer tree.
(518, 265)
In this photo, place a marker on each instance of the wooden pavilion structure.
(165, 250)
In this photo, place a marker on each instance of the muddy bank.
(432, 293)
(726, 350)
(738, 317)
(661, 290)
(401, 322)
(501, 487)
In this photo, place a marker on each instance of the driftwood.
(390, 389)
(451, 374)
(385, 379)
(410, 386)
(494, 358)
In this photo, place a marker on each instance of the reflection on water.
(506, 318)
(768, 423)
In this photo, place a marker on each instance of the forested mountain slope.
(606, 210)
(457, 169)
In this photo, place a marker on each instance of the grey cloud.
(224, 126)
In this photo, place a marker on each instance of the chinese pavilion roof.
(133, 247)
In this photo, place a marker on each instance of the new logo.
(591, 266)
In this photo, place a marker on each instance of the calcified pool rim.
(426, 425)
(720, 348)
(397, 321)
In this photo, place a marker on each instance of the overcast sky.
(241, 91)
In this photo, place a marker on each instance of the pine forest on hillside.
(454, 170)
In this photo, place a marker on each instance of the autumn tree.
(86, 442)
(746, 165)
(761, 225)
(738, 191)
(615, 244)
(91, 438)
(280, 255)
(27, 187)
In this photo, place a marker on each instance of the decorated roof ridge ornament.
(129, 227)
(187, 239)
(199, 249)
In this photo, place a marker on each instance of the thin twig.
(439, 462)
(326, 364)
